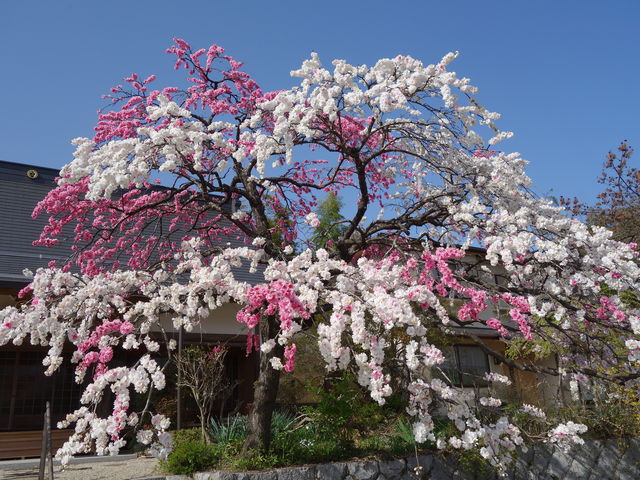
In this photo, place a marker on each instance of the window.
(465, 366)
(24, 390)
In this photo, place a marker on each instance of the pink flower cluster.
(278, 298)
(105, 354)
(108, 327)
(607, 307)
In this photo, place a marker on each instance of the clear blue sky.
(564, 74)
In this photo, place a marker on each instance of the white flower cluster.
(490, 402)
(533, 411)
(497, 377)
(566, 435)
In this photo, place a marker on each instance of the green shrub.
(255, 460)
(185, 435)
(303, 442)
(471, 462)
(190, 455)
(346, 411)
(402, 440)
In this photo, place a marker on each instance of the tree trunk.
(264, 396)
(203, 429)
(203, 422)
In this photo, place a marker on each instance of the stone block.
(584, 458)
(298, 473)
(262, 475)
(219, 475)
(518, 470)
(629, 465)
(425, 461)
(442, 469)
(367, 470)
(605, 467)
(210, 476)
(559, 464)
(392, 468)
(542, 454)
(331, 471)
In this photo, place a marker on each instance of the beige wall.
(220, 321)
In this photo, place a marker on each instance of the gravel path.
(118, 470)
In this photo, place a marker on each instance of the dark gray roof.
(19, 194)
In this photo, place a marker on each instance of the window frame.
(456, 376)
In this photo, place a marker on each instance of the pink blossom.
(290, 355)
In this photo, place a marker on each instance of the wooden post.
(49, 446)
(45, 448)
(179, 380)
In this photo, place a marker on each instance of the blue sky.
(565, 75)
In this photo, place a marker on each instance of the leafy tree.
(400, 135)
(331, 224)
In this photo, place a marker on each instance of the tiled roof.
(19, 195)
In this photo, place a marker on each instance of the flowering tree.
(401, 139)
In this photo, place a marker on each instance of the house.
(468, 361)
(24, 389)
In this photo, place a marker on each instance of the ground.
(102, 470)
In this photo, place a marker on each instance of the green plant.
(402, 440)
(321, 433)
(186, 435)
(470, 461)
(190, 456)
(255, 460)
(331, 222)
(305, 442)
(295, 440)
(282, 421)
(404, 432)
(374, 444)
(229, 430)
(346, 411)
(613, 418)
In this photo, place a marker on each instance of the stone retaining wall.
(596, 460)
